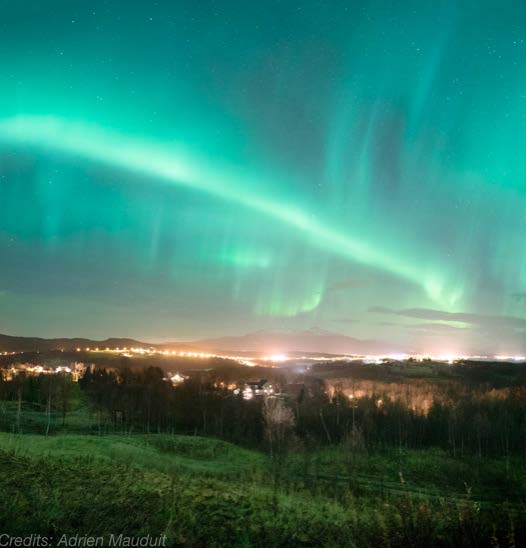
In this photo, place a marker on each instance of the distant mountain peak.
(311, 340)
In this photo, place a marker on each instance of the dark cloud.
(438, 328)
(481, 320)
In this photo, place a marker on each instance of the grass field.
(201, 491)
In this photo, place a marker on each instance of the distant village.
(76, 370)
(248, 390)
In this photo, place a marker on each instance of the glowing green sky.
(188, 169)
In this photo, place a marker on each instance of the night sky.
(186, 169)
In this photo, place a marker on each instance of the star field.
(182, 170)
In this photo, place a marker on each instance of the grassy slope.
(425, 475)
(200, 491)
(197, 491)
(161, 453)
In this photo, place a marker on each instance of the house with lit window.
(258, 388)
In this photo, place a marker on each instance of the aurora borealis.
(176, 170)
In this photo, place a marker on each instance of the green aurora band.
(179, 168)
(197, 169)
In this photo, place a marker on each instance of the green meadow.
(201, 491)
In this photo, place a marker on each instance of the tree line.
(468, 421)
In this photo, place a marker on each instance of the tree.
(279, 422)
(65, 388)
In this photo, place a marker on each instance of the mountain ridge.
(312, 340)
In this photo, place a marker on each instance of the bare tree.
(279, 421)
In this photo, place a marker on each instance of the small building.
(258, 388)
(176, 378)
